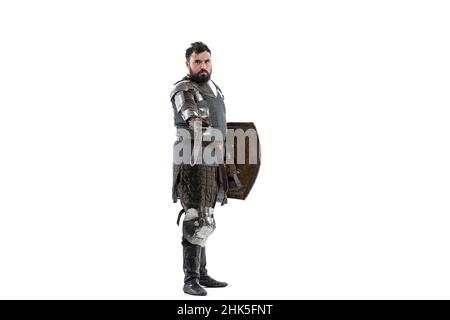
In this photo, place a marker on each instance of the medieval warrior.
(200, 168)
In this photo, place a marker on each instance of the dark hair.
(197, 47)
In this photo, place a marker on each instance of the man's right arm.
(187, 107)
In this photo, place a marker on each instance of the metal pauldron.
(198, 225)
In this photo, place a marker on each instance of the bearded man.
(199, 174)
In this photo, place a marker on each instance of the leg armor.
(198, 225)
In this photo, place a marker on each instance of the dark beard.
(201, 77)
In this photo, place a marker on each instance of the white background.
(351, 101)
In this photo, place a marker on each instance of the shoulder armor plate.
(183, 85)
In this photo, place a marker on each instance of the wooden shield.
(248, 171)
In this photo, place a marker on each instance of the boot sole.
(212, 285)
(196, 294)
(206, 286)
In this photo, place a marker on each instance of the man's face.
(199, 66)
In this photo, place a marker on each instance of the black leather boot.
(206, 280)
(191, 266)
